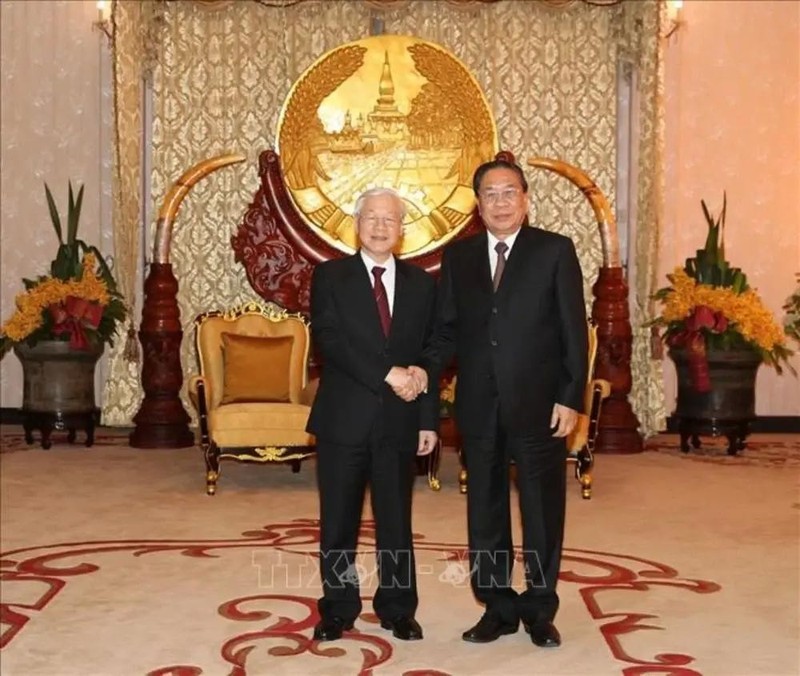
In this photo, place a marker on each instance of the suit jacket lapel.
(359, 289)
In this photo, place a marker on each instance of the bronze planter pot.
(728, 409)
(58, 389)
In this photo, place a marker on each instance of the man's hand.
(427, 442)
(420, 378)
(563, 420)
(402, 382)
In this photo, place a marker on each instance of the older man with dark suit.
(511, 309)
(372, 317)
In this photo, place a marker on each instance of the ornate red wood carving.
(279, 250)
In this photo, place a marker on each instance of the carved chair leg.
(583, 472)
(462, 474)
(586, 486)
(211, 452)
(434, 460)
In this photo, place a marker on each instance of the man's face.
(502, 203)
(379, 226)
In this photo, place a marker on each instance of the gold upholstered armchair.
(251, 395)
(580, 443)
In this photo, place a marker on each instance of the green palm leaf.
(54, 217)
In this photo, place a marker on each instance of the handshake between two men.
(407, 383)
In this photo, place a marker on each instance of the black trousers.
(342, 476)
(541, 481)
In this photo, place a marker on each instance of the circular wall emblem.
(386, 111)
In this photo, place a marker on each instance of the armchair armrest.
(309, 392)
(200, 395)
(600, 389)
(602, 386)
(586, 428)
(199, 387)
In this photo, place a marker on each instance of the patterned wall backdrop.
(222, 70)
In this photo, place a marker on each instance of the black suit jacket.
(525, 346)
(356, 357)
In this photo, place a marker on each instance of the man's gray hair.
(376, 192)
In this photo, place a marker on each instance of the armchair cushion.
(256, 368)
(253, 424)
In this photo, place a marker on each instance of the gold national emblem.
(386, 111)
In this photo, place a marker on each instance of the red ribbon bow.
(73, 316)
(693, 340)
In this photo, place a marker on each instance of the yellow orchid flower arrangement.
(710, 305)
(77, 302)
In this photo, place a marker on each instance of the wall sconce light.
(674, 16)
(103, 23)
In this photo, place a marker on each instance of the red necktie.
(382, 300)
(500, 248)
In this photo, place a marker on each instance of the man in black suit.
(511, 310)
(372, 316)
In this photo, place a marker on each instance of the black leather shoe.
(489, 628)
(544, 634)
(331, 628)
(404, 628)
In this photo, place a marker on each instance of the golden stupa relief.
(386, 111)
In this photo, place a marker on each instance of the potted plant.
(718, 332)
(60, 326)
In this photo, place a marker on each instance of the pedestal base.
(691, 429)
(46, 423)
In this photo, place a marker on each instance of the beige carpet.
(114, 561)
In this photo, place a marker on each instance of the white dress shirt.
(387, 278)
(492, 241)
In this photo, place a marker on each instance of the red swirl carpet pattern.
(114, 561)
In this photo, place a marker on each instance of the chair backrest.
(252, 319)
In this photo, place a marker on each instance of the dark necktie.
(382, 300)
(500, 248)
